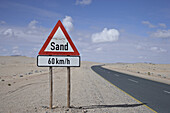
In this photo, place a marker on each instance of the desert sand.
(155, 72)
(24, 88)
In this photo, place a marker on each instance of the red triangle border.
(43, 52)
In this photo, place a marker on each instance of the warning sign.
(59, 43)
(58, 50)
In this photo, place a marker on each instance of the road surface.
(154, 94)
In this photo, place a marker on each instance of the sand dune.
(24, 87)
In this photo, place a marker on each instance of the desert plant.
(149, 73)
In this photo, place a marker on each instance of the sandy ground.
(155, 72)
(24, 88)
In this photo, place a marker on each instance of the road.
(154, 94)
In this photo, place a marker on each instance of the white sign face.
(58, 61)
(59, 43)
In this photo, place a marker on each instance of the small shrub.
(149, 73)
(159, 75)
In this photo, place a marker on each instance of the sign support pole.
(51, 87)
(52, 56)
(68, 87)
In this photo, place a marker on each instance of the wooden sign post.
(68, 87)
(51, 86)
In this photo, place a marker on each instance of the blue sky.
(103, 31)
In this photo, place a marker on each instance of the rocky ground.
(24, 88)
(156, 72)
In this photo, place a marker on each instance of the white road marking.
(133, 80)
(166, 91)
(116, 75)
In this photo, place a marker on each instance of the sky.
(106, 31)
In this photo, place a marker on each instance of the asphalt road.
(154, 94)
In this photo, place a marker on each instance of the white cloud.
(99, 49)
(32, 24)
(161, 34)
(9, 32)
(83, 2)
(67, 21)
(15, 47)
(2, 22)
(139, 47)
(162, 50)
(4, 50)
(25, 38)
(154, 48)
(149, 24)
(162, 25)
(157, 49)
(29, 33)
(16, 52)
(107, 35)
(142, 57)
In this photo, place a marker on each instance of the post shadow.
(109, 106)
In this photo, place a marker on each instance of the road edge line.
(129, 95)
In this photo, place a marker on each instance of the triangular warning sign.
(59, 43)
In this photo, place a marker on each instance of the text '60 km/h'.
(63, 61)
(57, 61)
